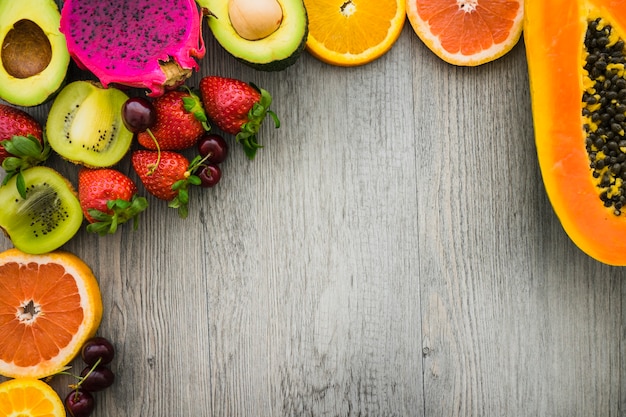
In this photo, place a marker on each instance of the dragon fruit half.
(138, 43)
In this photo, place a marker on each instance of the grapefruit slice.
(353, 32)
(50, 305)
(28, 397)
(467, 32)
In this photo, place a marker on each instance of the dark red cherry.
(97, 379)
(209, 175)
(138, 114)
(214, 145)
(97, 348)
(79, 403)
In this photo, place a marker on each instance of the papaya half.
(576, 60)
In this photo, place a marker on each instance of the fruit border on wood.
(142, 97)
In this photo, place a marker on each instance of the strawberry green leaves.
(193, 105)
(256, 115)
(25, 152)
(181, 187)
(123, 211)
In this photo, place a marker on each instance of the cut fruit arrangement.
(50, 303)
(95, 124)
(50, 311)
(43, 210)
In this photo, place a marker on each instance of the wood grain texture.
(390, 252)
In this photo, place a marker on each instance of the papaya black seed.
(604, 112)
(599, 164)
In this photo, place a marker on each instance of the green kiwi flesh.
(85, 124)
(47, 218)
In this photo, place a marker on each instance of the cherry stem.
(82, 378)
(193, 166)
(158, 148)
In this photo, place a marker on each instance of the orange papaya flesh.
(577, 73)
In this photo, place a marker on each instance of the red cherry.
(96, 379)
(213, 145)
(209, 175)
(138, 114)
(97, 348)
(79, 403)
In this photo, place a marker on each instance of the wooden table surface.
(390, 252)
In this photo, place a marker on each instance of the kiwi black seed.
(47, 218)
(85, 124)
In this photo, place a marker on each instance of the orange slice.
(50, 305)
(28, 397)
(467, 32)
(353, 32)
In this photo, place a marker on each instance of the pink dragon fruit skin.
(150, 44)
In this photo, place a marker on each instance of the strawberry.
(180, 121)
(16, 122)
(108, 198)
(22, 143)
(237, 108)
(167, 176)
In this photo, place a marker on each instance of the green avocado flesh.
(85, 124)
(47, 218)
(275, 52)
(33, 53)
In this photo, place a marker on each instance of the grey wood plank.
(516, 320)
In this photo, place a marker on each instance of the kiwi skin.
(85, 125)
(47, 218)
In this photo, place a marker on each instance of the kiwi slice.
(48, 217)
(85, 124)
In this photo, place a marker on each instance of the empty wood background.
(390, 252)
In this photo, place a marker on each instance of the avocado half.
(33, 53)
(274, 52)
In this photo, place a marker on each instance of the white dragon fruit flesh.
(150, 44)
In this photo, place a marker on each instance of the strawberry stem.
(256, 115)
(181, 201)
(193, 105)
(123, 211)
(26, 152)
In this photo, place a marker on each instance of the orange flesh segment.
(353, 32)
(378, 16)
(469, 27)
(28, 397)
(54, 325)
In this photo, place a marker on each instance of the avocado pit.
(26, 50)
(255, 19)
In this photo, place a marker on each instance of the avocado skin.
(280, 64)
